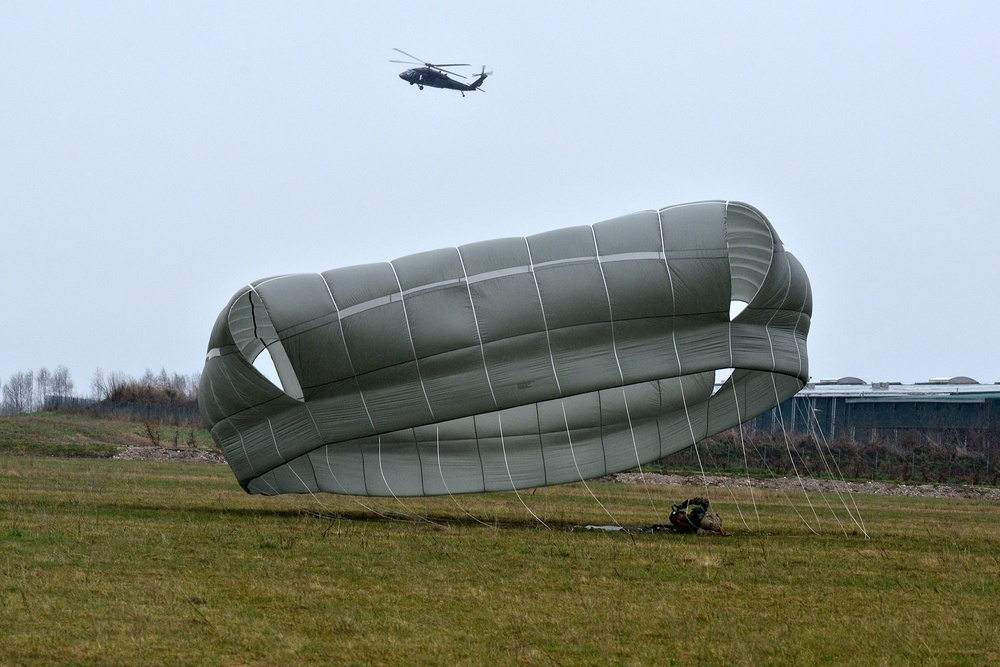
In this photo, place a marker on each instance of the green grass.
(68, 435)
(133, 563)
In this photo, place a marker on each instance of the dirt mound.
(792, 484)
(172, 455)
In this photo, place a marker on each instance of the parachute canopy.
(511, 363)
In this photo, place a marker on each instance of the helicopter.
(436, 76)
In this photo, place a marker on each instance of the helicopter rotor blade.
(440, 68)
(409, 55)
(460, 76)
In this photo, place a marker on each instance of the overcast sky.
(155, 157)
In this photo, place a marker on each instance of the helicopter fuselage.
(425, 76)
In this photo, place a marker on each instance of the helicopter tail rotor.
(482, 77)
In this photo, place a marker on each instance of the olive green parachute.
(511, 363)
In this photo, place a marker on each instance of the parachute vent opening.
(272, 362)
(265, 366)
(735, 308)
(721, 377)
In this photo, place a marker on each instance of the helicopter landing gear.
(420, 87)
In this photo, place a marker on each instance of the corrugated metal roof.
(892, 391)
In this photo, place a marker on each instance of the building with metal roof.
(851, 408)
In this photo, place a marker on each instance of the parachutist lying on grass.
(690, 516)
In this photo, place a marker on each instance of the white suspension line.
(510, 476)
(406, 509)
(777, 401)
(437, 436)
(579, 474)
(823, 495)
(677, 353)
(857, 520)
(788, 449)
(621, 377)
(329, 466)
(353, 497)
(746, 463)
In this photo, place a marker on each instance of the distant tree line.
(26, 391)
(163, 398)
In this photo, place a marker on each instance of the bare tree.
(98, 385)
(43, 386)
(62, 383)
(18, 393)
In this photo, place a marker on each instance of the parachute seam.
(618, 363)
(479, 333)
(318, 435)
(798, 317)
(510, 476)
(347, 351)
(541, 449)
(673, 329)
(621, 376)
(600, 412)
(406, 510)
(572, 451)
(420, 461)
(274, 439)
(677, 354)
(364, 469)
(329, 465)
(545, 323)
(243, 445)
(437, 438)
(479, 451)
(729, 262)
(299, 477)
(673, 298)
(413, 347)
(269, 485)
(344, 488)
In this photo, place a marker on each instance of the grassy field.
(79, 436)
(138, 563)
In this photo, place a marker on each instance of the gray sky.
(154, 157)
